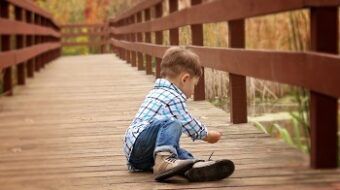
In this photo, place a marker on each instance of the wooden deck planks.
(64, 130)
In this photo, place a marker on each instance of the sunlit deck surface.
(65, 128)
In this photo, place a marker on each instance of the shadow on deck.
(64, 130)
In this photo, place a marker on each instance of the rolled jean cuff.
(165, 148)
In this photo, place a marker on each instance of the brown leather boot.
(167, 165)
(210, 170)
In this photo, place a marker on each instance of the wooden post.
(112, 36)
(159, 38)
(106, 38)
(197, 40)
(238, 91)
(49, 53)
(5, 46)
(323, 108)
(29, 42)
(121, 37)
(174, 33)
(148, 58)
(90, 37)
(118, 37)
(37, 41)
(42, 38)
(140, 39)
(127, 38)
(58, 52)
(102, 39)
(133, 39)
(21, 76)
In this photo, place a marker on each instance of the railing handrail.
(327, 64)
(82, 25)
(247, 11)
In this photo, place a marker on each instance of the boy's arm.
(191, 126)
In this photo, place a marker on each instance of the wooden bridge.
(62, 126)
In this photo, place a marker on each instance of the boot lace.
(171, 158)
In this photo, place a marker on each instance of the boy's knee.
(173, 123)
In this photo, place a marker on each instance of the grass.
(297, 140)
(219, 102)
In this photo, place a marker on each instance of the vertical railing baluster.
(113, 36)
(133, 39)
(29, 43)
(121, 37)
(128, 38)
(197, 40)
(36, 42)
(237, 83)
(323, 108)
(173, 33)
(21, 76)
(102, 38)
(140, 39)
(159, 38)
(42, 38)
(148, 58)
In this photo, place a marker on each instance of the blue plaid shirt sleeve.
(191, 126)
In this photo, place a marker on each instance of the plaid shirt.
(164, 101)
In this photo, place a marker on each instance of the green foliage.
(153, 64)
(284, 134)
(299, 137)
(75, 50)
(259, 126)
(297, 140)
(219, 102)
(301, 117)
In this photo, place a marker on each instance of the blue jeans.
(159, 136)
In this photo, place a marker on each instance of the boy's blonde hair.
(178, 59)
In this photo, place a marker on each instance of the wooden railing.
(317, 70)
(37, 41)
(96, 36)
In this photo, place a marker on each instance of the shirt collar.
(164, 83)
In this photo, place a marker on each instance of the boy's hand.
(213, 136)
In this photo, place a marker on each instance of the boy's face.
(188, 84)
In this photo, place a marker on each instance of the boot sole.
(179, 170)
(220, 170)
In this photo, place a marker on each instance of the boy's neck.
(176, 81)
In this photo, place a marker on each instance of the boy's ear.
(185, 77)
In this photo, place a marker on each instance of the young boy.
(152, 140)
